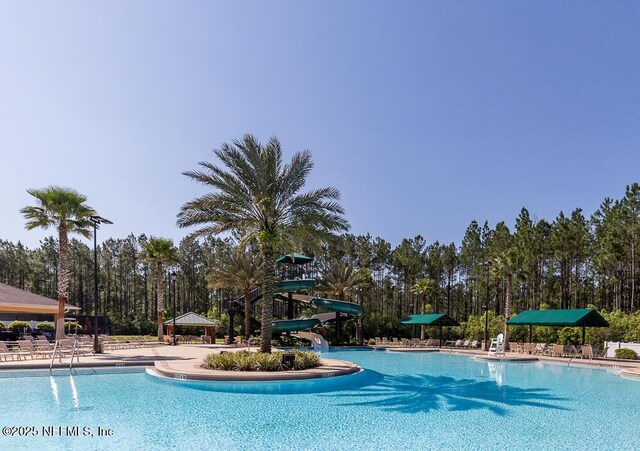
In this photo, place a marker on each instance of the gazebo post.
(583, 333)
(440, 344)
(530, 334)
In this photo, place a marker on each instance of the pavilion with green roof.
(430, 320)
(559, 318)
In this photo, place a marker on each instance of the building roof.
(431, 319)
(191, 319)
(560, 318)
(14, 299)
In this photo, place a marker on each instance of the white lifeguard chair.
(497, 345)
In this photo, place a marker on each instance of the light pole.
(487, 264)
(173, 281)
(95, 220)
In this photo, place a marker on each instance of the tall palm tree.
(160, 252)
(342, 281)
(508, 266)
(426, 289)
(241, 271)
(258, 196)
(65, 209)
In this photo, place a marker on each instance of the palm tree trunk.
(63, 279)
(507, 307)
(267, 296)
(160, 294)
(247, 315)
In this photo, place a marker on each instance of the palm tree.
(426, 289)
(65, 209)
(343, 281)
(256, 195)
(240, 271)
(506, 266)
(160, 252)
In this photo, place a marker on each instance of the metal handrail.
(73, 352)
(53, 356)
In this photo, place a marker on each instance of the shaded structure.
(17, 304)
(193, 320)
(559, 318)
(431, 320)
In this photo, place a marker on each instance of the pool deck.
(186, 358)
(625, 368)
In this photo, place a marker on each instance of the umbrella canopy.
(294, 258)
(431, 319)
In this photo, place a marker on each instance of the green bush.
(569, 336)
(1, 326)
(372, 341)
(19, 326)
(626, 353)
(45, 327)
(256, 361)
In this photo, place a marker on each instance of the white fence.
(613, 345)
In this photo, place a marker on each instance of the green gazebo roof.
(294, 258)
(431, 319)
(191, 319)
(560, 318)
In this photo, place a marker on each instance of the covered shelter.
(193, 320)
(294, 258)
(17, 304)
(431, 320)
(559, 318)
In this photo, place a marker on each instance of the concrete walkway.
(126, 357)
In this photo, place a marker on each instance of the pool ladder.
(57, 347)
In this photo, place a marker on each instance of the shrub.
(626, 353)
(372, 341)
(45, 327)
(1, 326)
(19, 326)
(256, 361)
(569, 336)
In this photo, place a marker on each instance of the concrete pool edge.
(191, 371)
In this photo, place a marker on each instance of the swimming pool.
(402, 401)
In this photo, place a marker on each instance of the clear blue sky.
(425, 114)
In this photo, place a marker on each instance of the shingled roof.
(14, 299)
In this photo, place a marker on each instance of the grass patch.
(257, 361)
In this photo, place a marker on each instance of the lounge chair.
(6, 352)
(557, 351)
(474, 344)
(29, 348)
(586, 351)
(513, 346)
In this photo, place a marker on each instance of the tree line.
(571, 261)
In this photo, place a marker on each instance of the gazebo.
(431, 319)
(586, 317)
(193, 320)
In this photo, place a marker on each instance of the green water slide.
(289, 286)
(292, 286)
(350, 308)
(294, 325)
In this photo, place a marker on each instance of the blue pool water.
(402, 401)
